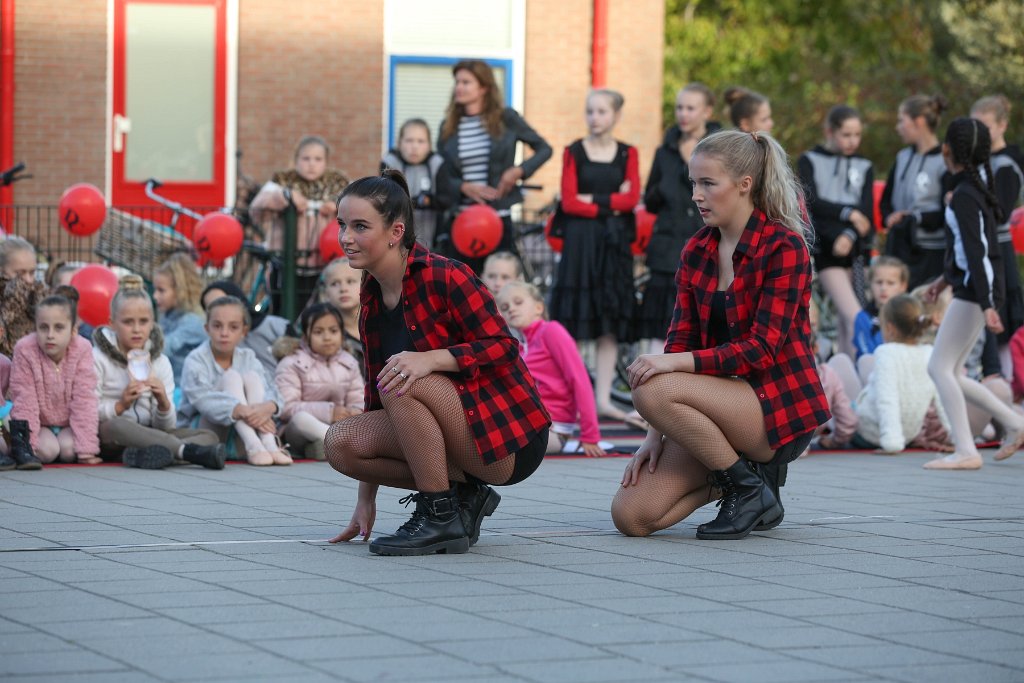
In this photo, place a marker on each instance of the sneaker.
(147, 458)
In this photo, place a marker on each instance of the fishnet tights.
(705, 420)
(419, 441)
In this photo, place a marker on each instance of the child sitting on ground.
(136, 386)
(5, 376)
(53, 388)
(893, 404)
(887, 277)
(501, 268)
(225, 386)
(339, 285)
(553, 360)
(265, 328)
(320, 382)
(176, 290)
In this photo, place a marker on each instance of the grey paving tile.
(791, 671)
(224, 665)
(606, 670)
(63, 662)
(347, 647)
(974, 671)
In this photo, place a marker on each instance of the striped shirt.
(474, 152)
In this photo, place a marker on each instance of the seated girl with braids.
(450, 405)
(735, 395)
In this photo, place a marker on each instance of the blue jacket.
(867, 334)
(183, 331)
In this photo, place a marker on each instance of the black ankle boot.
(21, 447)
(6, 463)
(476, 501)
(746, 502)
(147, 458)
(210, 457)
(435, 527)
(774, 477)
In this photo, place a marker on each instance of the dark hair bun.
(940, 103)
(68, 292)
(396, 176)
(734, 94)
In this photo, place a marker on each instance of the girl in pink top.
(53, 386)
(553, 360)
(320, 382)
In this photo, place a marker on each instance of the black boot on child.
(21, 447)
(746, 502)
(435, 527)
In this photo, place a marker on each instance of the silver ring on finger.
(394, 369)
(403, 375)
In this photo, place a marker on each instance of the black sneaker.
(147, 458)
(210, 457)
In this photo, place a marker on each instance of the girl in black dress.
(670, 197)
(593, 293)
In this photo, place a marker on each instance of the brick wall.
(60, 99)
(558, 61)
(305, 67)
(309, 68)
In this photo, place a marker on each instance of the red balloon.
(556, 242)
(644, 229)
(82, 209)
(218, 236)
(1017, 229)
(477, 231)
(330, 248)
(877, 190)
(96, 287)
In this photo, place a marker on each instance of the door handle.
(122, 126)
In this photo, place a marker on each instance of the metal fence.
(139, 238)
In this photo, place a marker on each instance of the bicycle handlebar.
(153, 184)
(11, 176)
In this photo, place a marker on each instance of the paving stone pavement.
(881, 572)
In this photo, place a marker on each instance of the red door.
(169, 101)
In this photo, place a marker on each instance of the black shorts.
(529, 458)
(788, 452)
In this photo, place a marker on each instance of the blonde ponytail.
(776, 191)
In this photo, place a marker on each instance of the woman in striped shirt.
(478, 141)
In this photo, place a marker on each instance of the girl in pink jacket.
(554, 361)
(53, 386)
(320, 382)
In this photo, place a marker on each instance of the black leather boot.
(147, 457)
(210, 457)
(476, 501)
(774, 477)
(746, 502)
(435, 527)
(6, 463)
(21, 447)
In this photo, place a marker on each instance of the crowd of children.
(195, 375)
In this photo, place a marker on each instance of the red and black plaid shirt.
(447, 307)
(767, 311)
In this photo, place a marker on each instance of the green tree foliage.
(807, 55)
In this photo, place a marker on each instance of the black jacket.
(503, 156)
(670, 196)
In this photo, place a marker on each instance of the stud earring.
(390, 245)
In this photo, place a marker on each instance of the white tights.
(960, 328)
(303, 428)
(248, 389)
